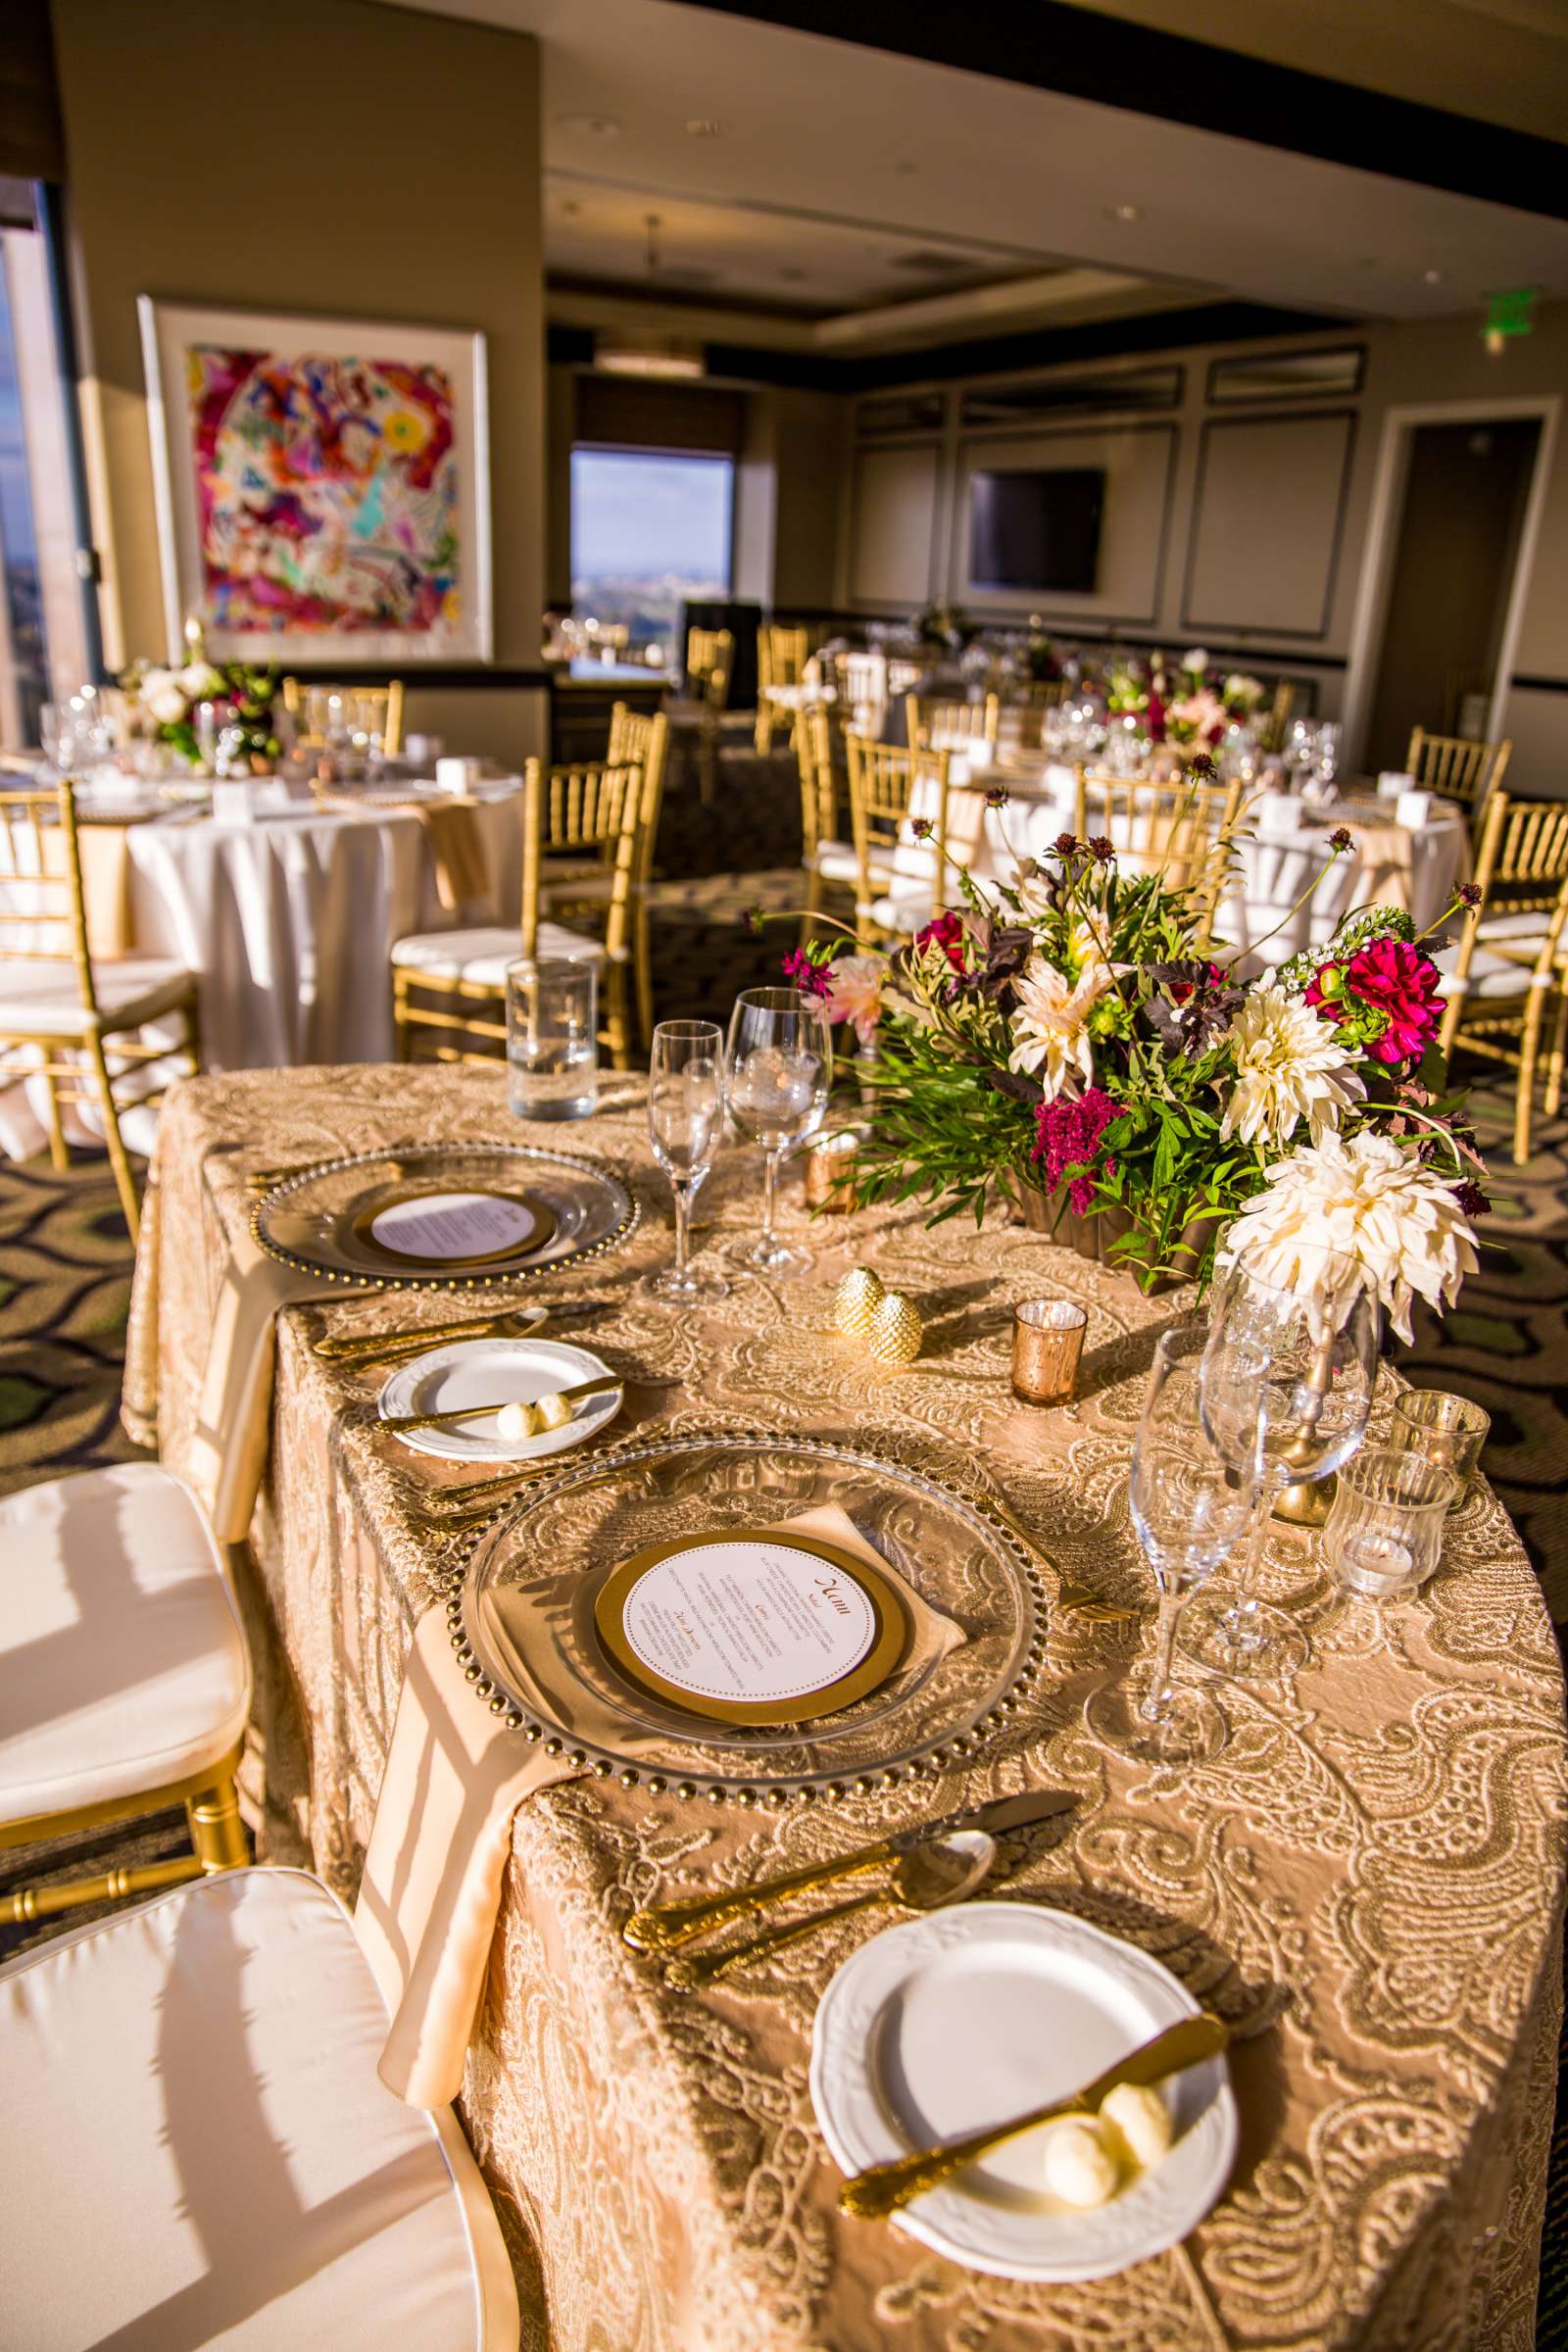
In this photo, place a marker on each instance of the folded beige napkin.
(432, 1889)
(1383, 855)
(451, 829)
(227, 1456)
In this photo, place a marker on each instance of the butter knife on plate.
(666, 1926)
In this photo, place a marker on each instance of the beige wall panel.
(1266, 523)
(1137, 465)
(1536, 723)
(895, 505)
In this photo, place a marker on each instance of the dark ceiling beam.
(1054, 45)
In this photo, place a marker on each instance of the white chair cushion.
(1531, 923)
(122, 1667)
(199, 2150)
(836, 862)
(481, 956)
(1489, 976)
(39, 998)
(907, 907)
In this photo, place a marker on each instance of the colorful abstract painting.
(327, 491)
(318, 502)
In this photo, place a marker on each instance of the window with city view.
(650, 530)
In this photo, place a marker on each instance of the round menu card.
(752, 1629)
(464, 1227)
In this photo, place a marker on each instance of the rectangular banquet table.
(1366, 1884)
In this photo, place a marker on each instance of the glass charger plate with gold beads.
(570, 1616)
(445, 1216)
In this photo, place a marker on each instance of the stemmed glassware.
(780, 1065)
(685, 1119)
(1288, 1373)
(1190, 1503)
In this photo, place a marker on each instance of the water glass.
(1288, 1379)
(1190, 1505)
(1446, 1430)
(553, 1036)
(1385, 1532)
(685, 1119)
(780, 1065)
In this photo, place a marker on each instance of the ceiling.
(917, 202)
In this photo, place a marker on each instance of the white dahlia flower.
(1289, 1066)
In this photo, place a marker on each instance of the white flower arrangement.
(1289, 1066)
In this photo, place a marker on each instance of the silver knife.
(666, 1926)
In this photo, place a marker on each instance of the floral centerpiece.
(242, 700)
(1065, 1039)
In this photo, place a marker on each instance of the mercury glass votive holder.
(1047, 1339)
(1385, 1532)
(830, 1188)
(1446, 1430)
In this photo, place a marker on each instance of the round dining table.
(1365, 1885)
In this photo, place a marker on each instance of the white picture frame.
(318, 549)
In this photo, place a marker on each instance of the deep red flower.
(947, 934)
(1067, 1134)
(813, 979)
(1390, 977)
(1473, 1202)
(1065, 846)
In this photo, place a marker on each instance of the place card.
(752, 1629)
(449, 1227)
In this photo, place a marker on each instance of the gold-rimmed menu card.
(470, 1227)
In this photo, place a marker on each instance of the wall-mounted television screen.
(1036, 530)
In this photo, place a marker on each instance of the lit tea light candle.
(830, 1175)
(1048, 1339)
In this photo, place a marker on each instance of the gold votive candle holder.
(1445, 1430)
(830, 1188)
(1047, 1339)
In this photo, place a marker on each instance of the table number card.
(752, 1629)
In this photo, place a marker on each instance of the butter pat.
(552, 1411)
(1078, 2167)
(1139, 2118)
(515, 1421)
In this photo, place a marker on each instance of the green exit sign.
(1511, 313)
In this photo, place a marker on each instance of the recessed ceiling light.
(1124, 211)
(1434, 277)
(591, 127)
(702, 126)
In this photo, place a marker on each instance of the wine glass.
(1190, 1504)
(685, 1117)
(1288, 1373)
(780, 1062)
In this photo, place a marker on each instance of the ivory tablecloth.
(1367, 1883)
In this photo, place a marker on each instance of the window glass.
(650, 530)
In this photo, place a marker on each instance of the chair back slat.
(884, 780)
(819, 796)
(938, 725)
(1458, 767)
(1181, 831)
(641, 740)
(1521, 867)
(710, 660)
(572, 810)
(371, 710)
(43, 912)
(781, 657)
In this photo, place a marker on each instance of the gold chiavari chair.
(60, 1008)
(569, 815)
(118, 1599)
(1457, 769)
(950, 727)
(1272, 732)
(641, 740)
(899, 880)
(781, 659)
(1182, 831)
(828, 860)
(1499, 978)
(710, 665)
(370, 710)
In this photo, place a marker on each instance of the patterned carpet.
(65, 1279)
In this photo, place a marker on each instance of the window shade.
(619, 412)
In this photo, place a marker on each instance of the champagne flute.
(1299, 1363)
(780, 1063)
(1190, 1504)
(685, 1117)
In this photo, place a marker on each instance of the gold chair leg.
(59, 1154)
(28, 1903)
(118, 1159)
(1559, 1040)
(642, 948)
(1529, 1051)
(216, 1830)
(617, 1034)
(402, 1019)
(707, 766)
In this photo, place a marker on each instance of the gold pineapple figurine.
(856, 1302)
(895, 1330)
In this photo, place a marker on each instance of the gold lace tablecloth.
(1367, 1883)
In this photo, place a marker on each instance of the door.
(1466, 488)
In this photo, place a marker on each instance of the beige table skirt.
(1367, 1883)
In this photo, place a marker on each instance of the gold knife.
(666, 1926)
(882, 2188)
(497, 1404)
(362, 1347)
